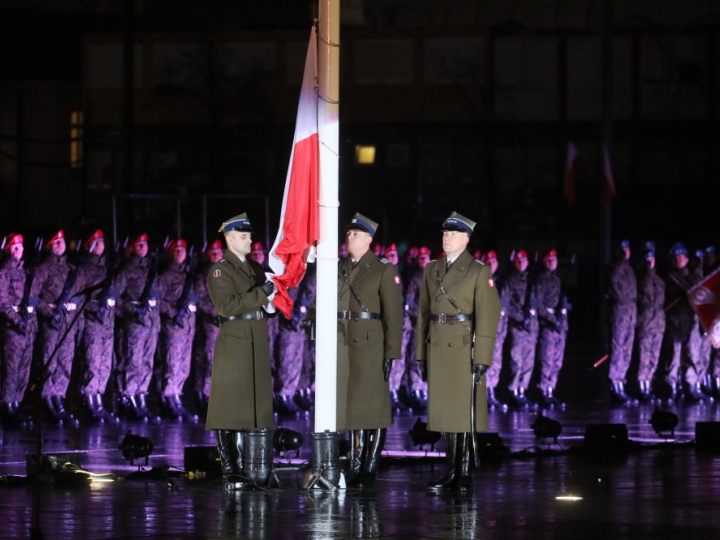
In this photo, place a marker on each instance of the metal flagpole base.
(326, 473)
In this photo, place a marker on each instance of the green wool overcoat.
(363, 394)
(241, 387)
(450, 348)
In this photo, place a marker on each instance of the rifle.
(65, 296)
(148, 294)
(530, 306)
(188, 296)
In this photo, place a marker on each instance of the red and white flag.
(571, 173)
(608, 180)
(300, 216)
(705, 300)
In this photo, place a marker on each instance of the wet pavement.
(652, 489)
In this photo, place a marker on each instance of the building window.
(364, 155)
(76, 139)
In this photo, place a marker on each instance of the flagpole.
(325, 439)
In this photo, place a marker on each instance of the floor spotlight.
(136, 447)
(421, 436)
(287, 440)
(546, 428)
(664, 421)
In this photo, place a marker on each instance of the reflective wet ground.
(652, 489)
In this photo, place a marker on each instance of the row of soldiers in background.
(110, 312)
(649, 309)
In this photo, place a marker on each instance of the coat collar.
(457, 270)
(244, 270)
(361, 269)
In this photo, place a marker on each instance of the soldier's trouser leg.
(415, 382)
(451, 456)
(16, 358)
(97, 349)
(650, 342)
(59, 367)
(673, 366)
(621, 344)
(207, 334)
(141, 344)
(695, 367)
(522, 352)
(177, 346)
(492, 377)
(551, 348)
(291, 347)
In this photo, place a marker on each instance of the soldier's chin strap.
(438, 279)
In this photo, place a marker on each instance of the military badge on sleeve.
(217, 273)
(397, 279)
(491, 282)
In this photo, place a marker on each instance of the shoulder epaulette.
(222, 260)
(480, 262)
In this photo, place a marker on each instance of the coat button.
(450, 344)
(355, 340)
(434, 344)
(268, 340)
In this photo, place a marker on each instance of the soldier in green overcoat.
(457, 320)
(370, 319)
(240, 404)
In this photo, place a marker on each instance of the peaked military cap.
(362, 223)
(458, 222)
(239, 223)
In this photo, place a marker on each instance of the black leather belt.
(444, 318)
(352, 315)
(249, 316)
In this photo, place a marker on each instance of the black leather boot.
(258, 458)
(102, 412)
(201, 402)
(51, 410)
(303, 399)
(617, 392)
(356, 457)
(395, 403)
(693, 393)
(517, 398)
(177, 410)
(446, 482)
(493, 402)
(63, 415)
(375, 444)
(230, 448)
(285, 406)
(91, 408)
(463, 481)
(716, 387)
(419, 401)
(133, 409)
(143, 408)
(646, 393)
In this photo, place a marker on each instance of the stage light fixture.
(546, 428)
(421, 436)
(136, 447)
(664, 421)
(287, 440)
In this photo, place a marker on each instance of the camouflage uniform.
(553, 327)
(523, 330)
(682, 328)
(412, 300)
(177, 330)
(206, 332)
(50, 279)
(16, 345)
(651, 322)
(622, 295)
(307, 374)
(290, 348)
(98, 328)
(141, 326)
(492, 377)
